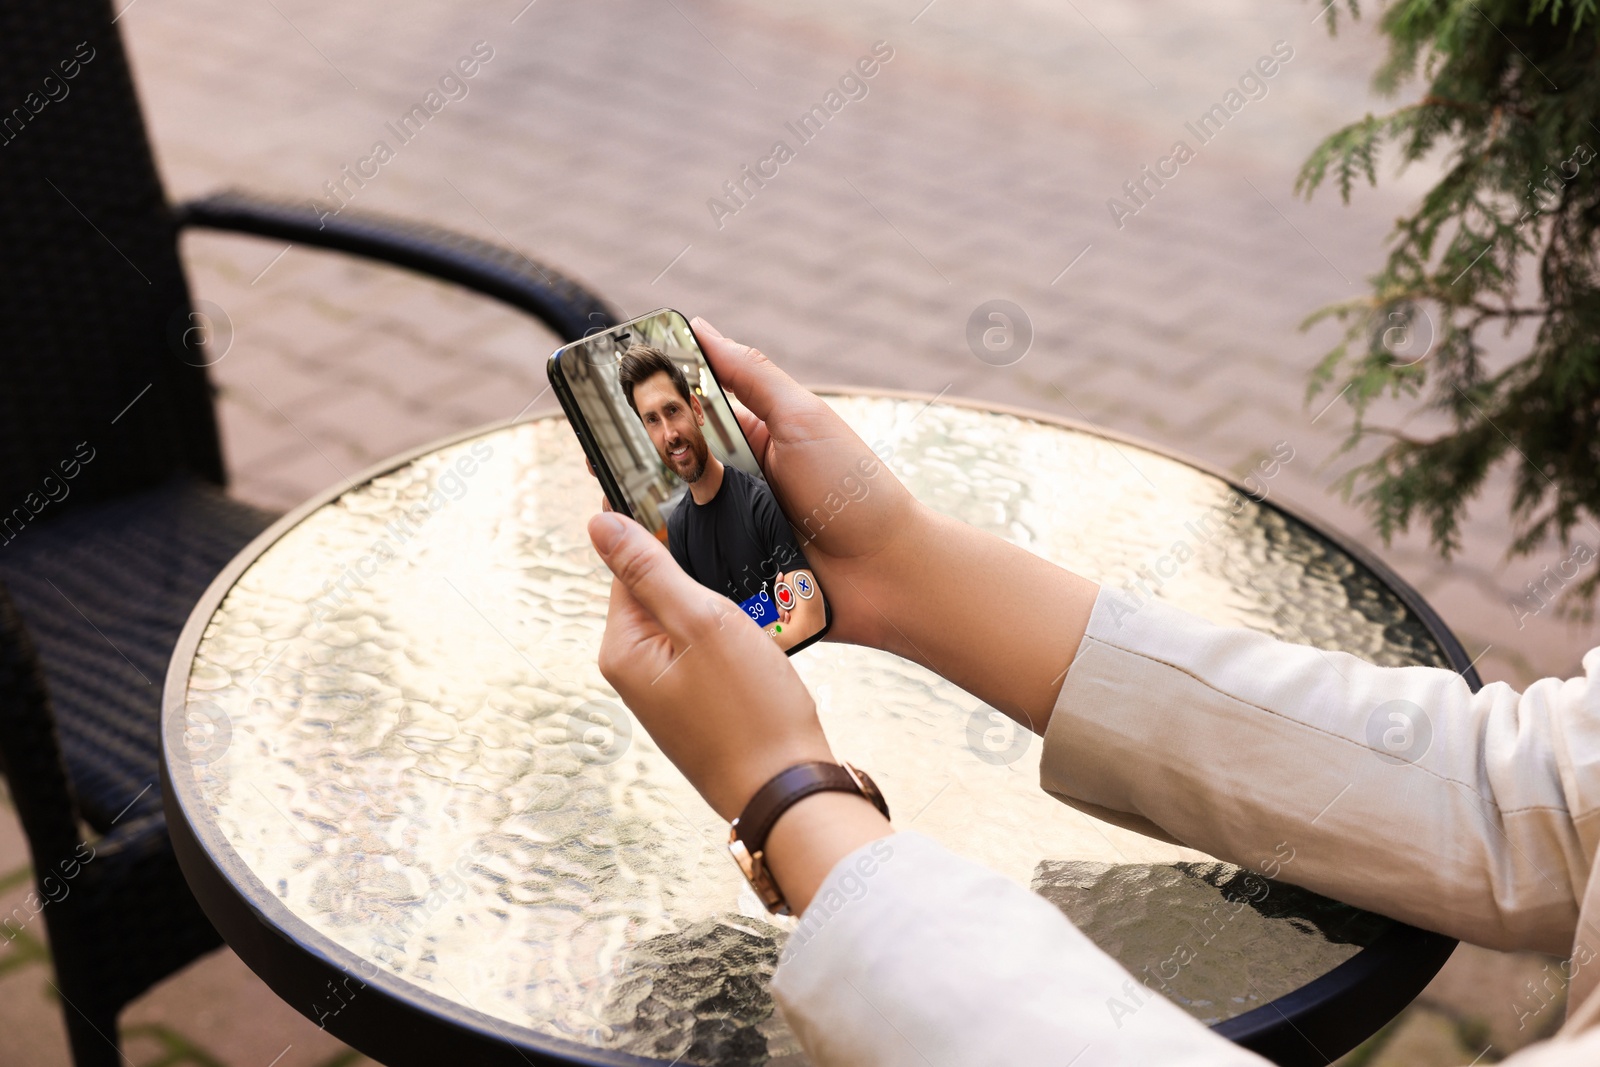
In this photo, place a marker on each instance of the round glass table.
(405, 796)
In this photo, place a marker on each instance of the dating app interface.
(675, 450)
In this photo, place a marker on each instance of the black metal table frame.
(397, 1022)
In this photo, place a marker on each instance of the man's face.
(673, 425)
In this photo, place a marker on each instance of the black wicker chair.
(113, 517)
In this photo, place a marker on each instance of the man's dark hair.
(642, 361)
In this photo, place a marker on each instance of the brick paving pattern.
(976, 163)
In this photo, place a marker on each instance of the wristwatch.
(747, 839)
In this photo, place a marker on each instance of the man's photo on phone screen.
(675, 448)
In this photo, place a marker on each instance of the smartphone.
(664, 443)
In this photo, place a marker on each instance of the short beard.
(701, 453)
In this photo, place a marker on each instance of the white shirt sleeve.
(1397, 789)
(910, 956)
(1472, 814)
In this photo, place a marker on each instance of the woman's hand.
(713, 690)
(723, 703)
(995, 619)
(849, 510)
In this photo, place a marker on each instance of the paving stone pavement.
(978, 165)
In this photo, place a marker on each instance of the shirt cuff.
(1262, 752)
(910, 955)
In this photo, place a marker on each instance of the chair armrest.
(566, 306)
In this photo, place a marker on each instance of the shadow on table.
(1194, 930)
(699, 995)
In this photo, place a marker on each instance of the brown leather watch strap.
(787, 788)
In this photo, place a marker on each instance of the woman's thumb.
(606, 530)
(641, 563)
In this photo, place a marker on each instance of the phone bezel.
(580, 428)
(608, 481)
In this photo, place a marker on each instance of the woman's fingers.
(755, 431)
(757, 381)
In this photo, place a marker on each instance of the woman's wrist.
(957, 600)
(813, 835)
(756, 768)
(887, 582)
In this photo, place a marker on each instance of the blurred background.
(615, 139)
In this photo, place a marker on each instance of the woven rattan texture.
(93, 301)
(104, 591)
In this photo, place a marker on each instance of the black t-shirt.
(738, 542)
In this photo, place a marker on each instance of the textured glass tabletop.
(395, 724)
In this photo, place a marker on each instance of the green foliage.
(1511, 100)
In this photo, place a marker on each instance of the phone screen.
(651, 413)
